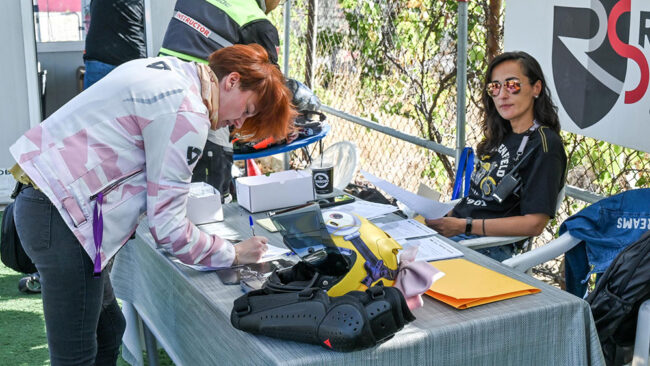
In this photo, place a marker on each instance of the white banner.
(596, 58)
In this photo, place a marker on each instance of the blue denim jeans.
(83, 321)
(95, 70)
(499, 253)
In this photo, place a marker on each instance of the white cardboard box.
(204, 204)
(278, 190)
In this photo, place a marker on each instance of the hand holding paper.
(430, 209)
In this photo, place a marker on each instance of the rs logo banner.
(596, 58)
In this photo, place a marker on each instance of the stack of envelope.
(466, 284)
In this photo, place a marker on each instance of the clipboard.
(467, 284)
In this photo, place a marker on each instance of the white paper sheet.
(272, 253)
(366, 209)
(404, 229)
(429, 209)
(432, 249)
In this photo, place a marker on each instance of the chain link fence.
(394, 62)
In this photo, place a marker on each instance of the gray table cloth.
(189, 313)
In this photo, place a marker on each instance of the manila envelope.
(466, 284)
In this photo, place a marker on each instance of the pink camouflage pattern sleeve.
(173, 143)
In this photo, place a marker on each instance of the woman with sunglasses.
(521, 131)
(124, 147)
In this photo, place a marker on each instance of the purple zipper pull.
(98, 231)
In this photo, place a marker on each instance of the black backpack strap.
(17, 189)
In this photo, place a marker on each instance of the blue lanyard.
(465, 165)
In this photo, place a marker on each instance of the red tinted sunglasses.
(494, 88)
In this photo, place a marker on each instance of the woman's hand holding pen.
(250, 250)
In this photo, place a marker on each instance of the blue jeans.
(499, 253)
(95, 70)
(83, 321)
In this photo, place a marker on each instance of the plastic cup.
(323, 177)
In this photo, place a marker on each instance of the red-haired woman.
(126, 146)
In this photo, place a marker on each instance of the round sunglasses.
(493, 88)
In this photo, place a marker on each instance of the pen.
(250, 221)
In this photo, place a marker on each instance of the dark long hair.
(495, 127)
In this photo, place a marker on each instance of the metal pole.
(286, 157)
(431, 145)
(583, 194)
(287, 37)
(312, 32)
(571, 191)
(148, 30)
(461, 78)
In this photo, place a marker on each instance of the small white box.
(204, 204)
(277, 190)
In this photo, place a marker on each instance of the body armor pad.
(354, 321)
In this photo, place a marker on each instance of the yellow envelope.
(267, 224)
(466, 284)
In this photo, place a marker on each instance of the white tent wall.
(19, 94)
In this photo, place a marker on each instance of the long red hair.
(274, 110)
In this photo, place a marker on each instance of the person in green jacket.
(198, 28)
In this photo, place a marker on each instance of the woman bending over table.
(125, 147)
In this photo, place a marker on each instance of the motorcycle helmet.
(304, 98)
(339, 251)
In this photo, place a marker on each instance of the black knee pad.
(354, 321)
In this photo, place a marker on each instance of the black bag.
(215, 167)
(11, 251)
(615, 302)
(309, 124)
(369, 194)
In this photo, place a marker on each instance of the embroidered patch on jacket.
(193, 154)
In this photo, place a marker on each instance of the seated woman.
(127, 146)
(521, 129)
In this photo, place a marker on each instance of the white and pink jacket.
(134, 137)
